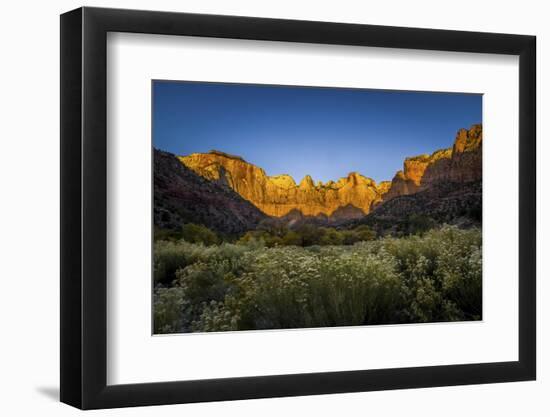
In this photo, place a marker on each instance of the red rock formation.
(461, 163)
(279, 195)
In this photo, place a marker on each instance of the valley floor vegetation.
(314, 277)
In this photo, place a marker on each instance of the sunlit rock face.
(279, 195)
(466, 163)
(458, 164)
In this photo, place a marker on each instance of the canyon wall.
(181, 196)
(460, 163)
(279, 195)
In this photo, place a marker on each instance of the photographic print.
(288, 207)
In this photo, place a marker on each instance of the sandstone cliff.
(460, 163)
(350, 196)
(279, 195)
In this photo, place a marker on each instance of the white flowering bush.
(433, 277)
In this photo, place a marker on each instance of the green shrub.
(169, 310)
(168, 257)
(307, 235)
(418, 224)
(331, 237)
(249, 285)
(197, 233)
(292, 238)
(166, 234)
(442, 273)
(361, 233)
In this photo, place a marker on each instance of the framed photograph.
(257, 208)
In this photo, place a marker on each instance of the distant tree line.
(271, 236)
(276, 233)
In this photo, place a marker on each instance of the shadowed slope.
(181, 196)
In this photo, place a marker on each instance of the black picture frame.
(84, 207)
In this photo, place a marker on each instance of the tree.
(331, 237)
(364, 233)
(197, 233)
(292, 238)
(418, 224)
(310, 234)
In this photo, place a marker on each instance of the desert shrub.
(461, 278)
(260, 238)
(166, 234)
(307, 235)
(441, 272)
(361, 233)
(249, 285)
(294, 287)
(168, 310)
(202, 283)
(168, 257)
(249, 237)
(292, 238)
(418, 224)
(331, 236)
(198, 233)
(350, 288)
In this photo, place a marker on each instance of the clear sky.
(323, 132)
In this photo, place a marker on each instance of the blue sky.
(323, 132)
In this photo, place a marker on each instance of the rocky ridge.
(460, 163)
(279, 195)
(181, 196)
